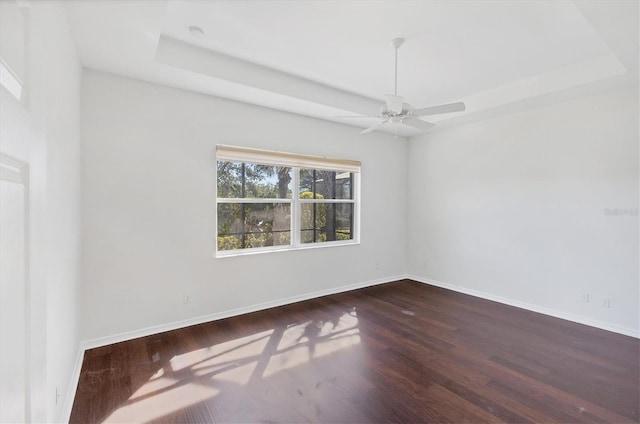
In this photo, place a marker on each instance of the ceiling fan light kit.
(395, 110)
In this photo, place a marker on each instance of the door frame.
(17, 171)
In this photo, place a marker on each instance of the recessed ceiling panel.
(496, 56)
(453, 48)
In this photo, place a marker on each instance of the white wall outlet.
(606, 302)
(584, 297)
(186, 298)
(57, 395)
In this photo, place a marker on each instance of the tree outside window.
(256, 208)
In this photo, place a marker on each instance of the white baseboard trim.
(65, 414)
(129, 335)
(627, 331)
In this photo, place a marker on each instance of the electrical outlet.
(606, 302)
(584, 297)
(186, 298)
(57, 395)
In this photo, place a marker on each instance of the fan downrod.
(397, 42)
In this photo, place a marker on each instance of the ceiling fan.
(395, 110)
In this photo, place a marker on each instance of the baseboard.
(627, 331)
(65, 414)
(129, 335)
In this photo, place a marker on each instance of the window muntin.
(252, 180)
(250, 225)
(326, 203)
(326, 184)
(254, 205)
(257, 212)
(326, 221)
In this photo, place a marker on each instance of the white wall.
(148, 206)
(46, 135)
(513, 208)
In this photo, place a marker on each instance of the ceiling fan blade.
(419, 124)
(433, 110)
(394, 103)
(374, 127)
(357, 116)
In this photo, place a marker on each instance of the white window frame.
(13, 82)
(296, 162)
(10, 81)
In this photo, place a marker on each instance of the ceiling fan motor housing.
(406, 108)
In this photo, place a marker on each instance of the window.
(14, 17)
(280, 201)
(10, 81)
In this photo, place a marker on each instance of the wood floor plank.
(397, 352)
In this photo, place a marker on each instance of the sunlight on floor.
(303, 342)
(157, 383)
(202, 374)
(165, 393)
(233, 361)
(160, 403)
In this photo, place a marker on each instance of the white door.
(13, 292)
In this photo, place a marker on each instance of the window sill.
(272, 249)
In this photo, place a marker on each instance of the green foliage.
(309, 195)
(253, 240)
(306, 217)
(229, 243)
(251, 225)
(343, 234)
(260, 181)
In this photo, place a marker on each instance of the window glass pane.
(322, 222)
(321, 184)
(246, 225)
(251, 180)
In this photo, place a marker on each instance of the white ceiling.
(330, 58)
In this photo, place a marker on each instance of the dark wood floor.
(399, 352)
